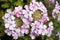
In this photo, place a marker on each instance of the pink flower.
(38, 29)
(26, 7)
(32, 36)
(24, 29)
(17, 11)
(34, 6)
(59, 18)
(33, 0)
(15, 35)
(56, 11)
(50, 29)
(51, 1)
(11, 28)
(8, 32)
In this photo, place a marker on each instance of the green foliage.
(5, 5)
(24, 38)
(18, 3)
(1, 24)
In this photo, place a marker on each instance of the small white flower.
(45, 26)
(13, 25)
(25, 13)
(26, 7)
(32, 36)
(6, 15)
(50, 29)
(17, 30)
(9, 33)
(13, 22)
(44, 30)
(39, 31)
(7, 25)
(12, 17)
(33, 0)
(15, 36)
(44, 33)
(24, 29)
(11, 28)
(9, 11)
(50, 23)
(25, 21)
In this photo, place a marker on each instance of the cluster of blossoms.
(40, 29)
(56, 12)
(28, 14)
(11, 28)
(34, 15)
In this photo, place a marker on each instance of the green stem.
(42, 37)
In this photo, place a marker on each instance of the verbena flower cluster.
(33, 18)
(40, 29)
(56, 11)
(11, 28)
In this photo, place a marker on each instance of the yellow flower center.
(18, 22)
(36, 15)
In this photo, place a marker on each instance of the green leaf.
(2, 13)
(29, 1)
(1, 33)
(18, 3)
(1, 24)
(5, 5)
(2, 28)
(11, 1)
(50, 38)
(3, 0)
(20, 38)
(24, 38)
(56, 25)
